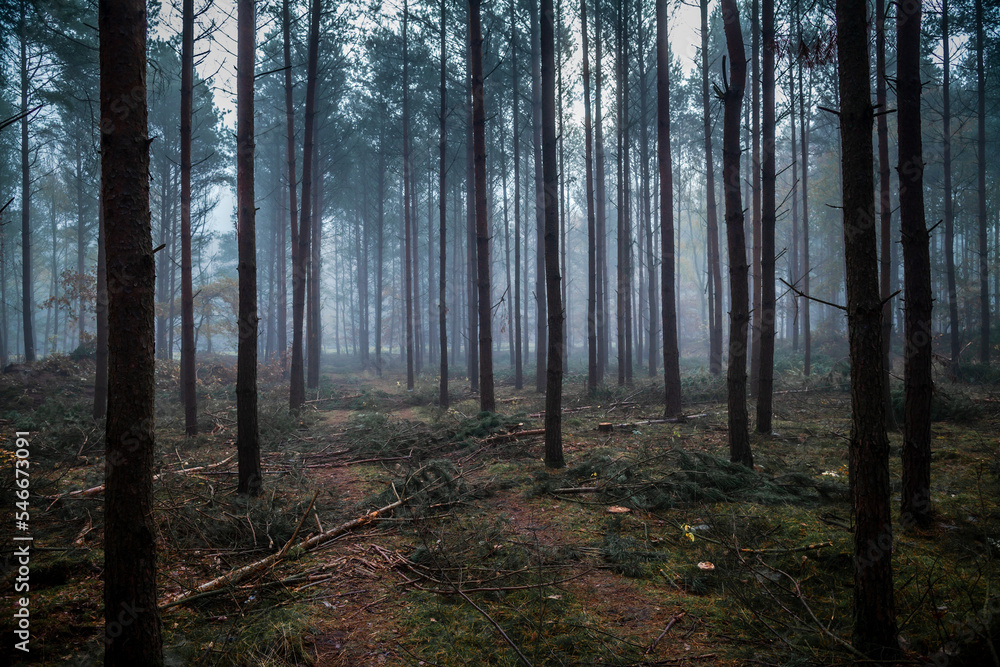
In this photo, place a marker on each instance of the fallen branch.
(673, 619)
(608, 426)
(247, 571)
(514, 435)
(807, 547)
(94, 490)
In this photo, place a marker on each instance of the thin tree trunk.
(874, 606)
(804, 144)
(315, 351)
(188, 396)
(984, 283)
(755, 166)
(739, 314)
(554, 371)
(515, 116)
(247, 432)
(765, 377)
(887, 250)
(131, 616)
(647, 216)
(536, 121)
(379, 255)
(671, 356)
(27, 286)
(442, 221)
(919, 385)
(407, 219)
(292, 182)
(714, 263)
(600, 204)
(487, 402)
(592, 366)
(81, 241)
(472, 271)
(297, 390)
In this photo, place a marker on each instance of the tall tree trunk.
(379, 254)
(187, 289)
(765, 377)
(919, 385)
(315, 346)
(592, 372)
(794, 275)
(536, 121)
(161, 265)
(874, 606)
(472, 271)
(297, 390)
(407, 218)
(247, 432)
(554, 371)
(292, 183)
(755, 166)
(949, 222)
(984, 283)
(739, 314)
(81, 240)
(515, 115)
(487, 402)
(600, 203)
(27, 286)
(647, 216)
(442, 221)
(804, 162)
(624, 295)
(101, 320)
(131, 616)
(714, 263)
(887, 250)
(671, 356)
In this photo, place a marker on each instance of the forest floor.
(649, 548)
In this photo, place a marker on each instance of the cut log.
(608, 426)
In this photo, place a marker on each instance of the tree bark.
(471, 266)
(247, 432)
(297, 390)
(984, 283)
(714, 263)
(804, 145)
(671, 360)
(515, 115)
(949, 222)
(592, 375)
(885, 211)
(600, 205)
(919, 385)
(101, 318)
(442, 222)
(739, 314)
(315, 335)
(27, 286)
(536, 121)
(292, 182)
(874, 607)
(132, 621)
(407, 218)
(188, 397)
(756, 186)
(487, 402)
(765, 373)
(554, 374)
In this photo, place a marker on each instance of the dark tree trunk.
(379, 255)
(292, 183)
(647, 216)
(554, 371)
(949, 222)
(874, 606)
(919, 385)
(592, 376)
(101, 318)
(624, 296)
(407, 218)
(161, 264)
(187, 289)
(739, 314)
(765, 373)
(132, 619)
(600, 204)
(515, 115)
(536, 121)
(247, 433)
(756, 185)
(471, 268)
(671, 360)
(885, 211)
(804, 161)
(487, 402)
(81, 243)
(27, 286)
(297, 390)
(984, 283)
(315, 340)
(714, 262)
(442, 230)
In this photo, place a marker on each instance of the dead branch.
(673, 619)
(608, 426)
(514, 435)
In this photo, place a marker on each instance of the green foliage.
(949, 404)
